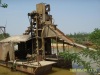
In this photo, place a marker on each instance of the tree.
(95, 37)
(76, 58)
(4, 5)
(4, 35)
(80, 37)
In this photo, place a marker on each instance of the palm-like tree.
(4, 5)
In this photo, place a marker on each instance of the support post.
(37, 40)
(63, 46)
(52, 47)
(43, 47)
(57, 46)
(31, 23)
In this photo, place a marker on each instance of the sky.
(71, 16)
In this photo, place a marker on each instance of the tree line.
(92, 38)
(4, 35)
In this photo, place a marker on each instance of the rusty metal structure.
(38, 37)
(42, 30)
(35, 44)
(2, 30)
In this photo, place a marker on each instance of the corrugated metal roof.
(17, 38)
(52, 32)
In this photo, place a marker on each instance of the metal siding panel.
(4, 49)
(11, 51)
(0, 51)
(18, 38)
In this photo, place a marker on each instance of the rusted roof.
(17, 38)
(50, 31)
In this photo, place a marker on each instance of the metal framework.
(2, 30)
(42, 30)
(38, 20)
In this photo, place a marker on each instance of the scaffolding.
(3, 31)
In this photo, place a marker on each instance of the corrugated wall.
(6, 48)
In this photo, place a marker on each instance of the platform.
(33, 67)
(34, 64)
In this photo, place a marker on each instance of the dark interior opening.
(25, 48)
(47, 46)
(7, 57)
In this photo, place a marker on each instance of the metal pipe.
(57, 46)
(32, 36)
(63, 46)
(37, 41)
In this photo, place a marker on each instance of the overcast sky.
(70, 15)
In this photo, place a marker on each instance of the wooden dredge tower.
(42, 30)
(39, 20)
(36, 41)
(34, 54)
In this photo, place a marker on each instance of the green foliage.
(95, 37)
(53, 41)
(4, 5)
(3, 36)
(83, 38)
(80, 38)
(75, 57)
